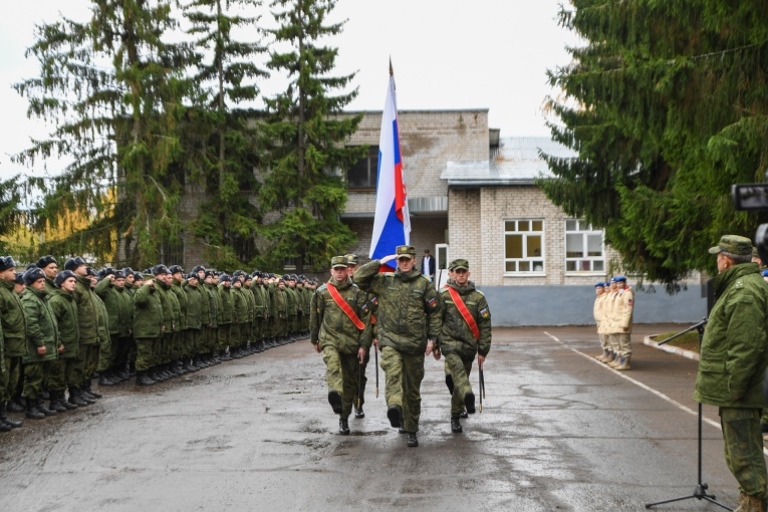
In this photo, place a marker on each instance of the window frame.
(372, 159)
(585, 229)
(531, 260)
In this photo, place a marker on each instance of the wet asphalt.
(558, 432)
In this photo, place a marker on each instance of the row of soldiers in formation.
(62, 329)
(613, 309)
(403, 317)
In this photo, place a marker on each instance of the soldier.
(339, 329)
(733, 363)
(212, 332)
(88, 347)
(50, 268)
(621, 323)
(119, 304)
(239, 316)
(63, 305)
(148, 328)
(14, 327)
(195, 300)
(352, 265)
(408, 327)
(227, 314)
(466, 332)
(42, 343)
(179, 345)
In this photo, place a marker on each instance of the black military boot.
(61, 400)
(5, 419)
(4, 427)
(54, 402)
(456, 424)
(74, 398)
(44, 408)
(107, 380)
(359, 413)
(343, 427)
(142, 379)
(90, 391)
(469, 402)
(395, 416)
(334, 398)
(85, 397)
(410, 440)
(32, 411)
(16, 405)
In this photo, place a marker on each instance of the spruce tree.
(113, 89)
(666, 107)
(304, 131)
(224, 145)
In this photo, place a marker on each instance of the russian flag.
(391, 222)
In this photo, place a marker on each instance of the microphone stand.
(700, 492)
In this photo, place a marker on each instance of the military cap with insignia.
(74, 263)
(63, 276)
(7, 262)
(405, 251)
(33, 274)
(160, 269)
(458, 264)
(176, 269)
(45, 261)
(339, 261)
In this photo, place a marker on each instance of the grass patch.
(687, 341)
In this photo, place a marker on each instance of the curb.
(671, 349)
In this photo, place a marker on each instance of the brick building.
(471, 194)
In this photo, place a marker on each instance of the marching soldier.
(339, 329)
(465, 332)
(408, 328)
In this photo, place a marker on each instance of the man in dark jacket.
(733, 362)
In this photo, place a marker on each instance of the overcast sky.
(446, 54)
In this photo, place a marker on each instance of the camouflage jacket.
(409, 309)
(330, 326)
(455, 335)
(42, 329)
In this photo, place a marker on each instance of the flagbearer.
(340, 330)
(466, 331)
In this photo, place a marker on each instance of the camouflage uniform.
(339, 338)
(408, 315)
(733, 363)
(458, 343)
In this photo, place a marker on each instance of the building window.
(524, 246)
(364, 173)
(584, 250)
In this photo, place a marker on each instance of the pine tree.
(114, 91)
(304, 132)
(670, 110)
(226, 150)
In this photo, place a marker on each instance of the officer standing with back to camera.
(408, 327)
(732, 365)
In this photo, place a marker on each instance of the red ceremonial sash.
(345, 307)
(464, 312)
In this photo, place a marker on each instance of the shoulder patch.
(321, 288)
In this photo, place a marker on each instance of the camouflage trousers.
(403, 374)
(144, 353)
(36, 378)
(743, 442)
(458, 369)
(341, 375)
(9, 379)
(605, 341)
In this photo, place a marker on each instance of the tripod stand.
(700, 492)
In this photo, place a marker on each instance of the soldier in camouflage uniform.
(459, 343)
(343, 338)
(408, 328)
(14, 326)
(352, 264)
(733, 363)
(62, 303)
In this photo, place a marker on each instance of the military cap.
(733, 244)
(248, 277)
(109, 271)
(352, 259)
(224, 277)
(339, 261)
(119, 274)
(19, 279)
(74, 263)
(459, 264)
(63, 276)
(198, 268)
(128, 270)
(160, 269)
(237, 273)
(192, 275)
(45, 261)
(90, 271)
(209, 273)
(33, 274)
(176, 269)
(31, 265)
(619, 279)
(7, 262)
(405, 251)
(138, 276)
(599, 285)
